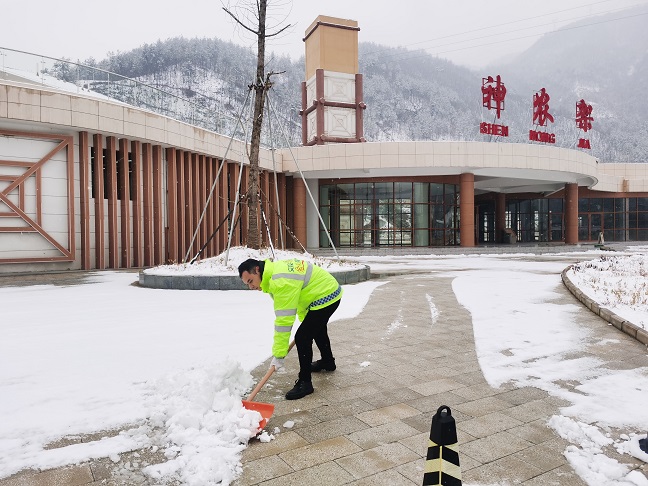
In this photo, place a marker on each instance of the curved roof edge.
(497, 166)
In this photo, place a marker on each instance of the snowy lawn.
(619, 283)
(168, 366)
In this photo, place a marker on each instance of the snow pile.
(619, 283)
(219, 265)
(587, 458)
(203, 424)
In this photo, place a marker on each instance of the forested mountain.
(413, 96)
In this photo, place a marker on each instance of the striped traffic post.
(442, 463)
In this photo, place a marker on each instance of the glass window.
(619, 205)
(388, 213)
(403, 190)
(642, 220)
(608, 204)
(556, 205)
(451, 194)
(437, 216)
(583, 205)
(436, 193)
(596, 205)
(642, 203)
(344, 191)
(583, 227)
(384, 190)
(325, 199)
(363, 191)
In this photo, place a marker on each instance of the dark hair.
(249, 265)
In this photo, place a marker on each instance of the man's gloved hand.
(278, 363)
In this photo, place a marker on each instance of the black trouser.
(313, 328)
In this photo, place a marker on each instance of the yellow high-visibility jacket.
(296, 286)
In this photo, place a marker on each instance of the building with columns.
(87, 182)
(443, 193)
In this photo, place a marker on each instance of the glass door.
(596, 226)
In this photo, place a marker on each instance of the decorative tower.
(332, 106)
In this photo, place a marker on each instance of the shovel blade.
(265, 409)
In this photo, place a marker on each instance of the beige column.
(138, 255)
(124, 205)
(147, 204)
(299, 205)
(467, 209)
(84, 198)
(99, 225)
(113, 230)
(571, 214)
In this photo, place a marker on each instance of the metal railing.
(201, 110)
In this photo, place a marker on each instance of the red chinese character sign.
(540, 117)
(493, 94)
(584, 121)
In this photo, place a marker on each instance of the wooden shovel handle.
(266, 377)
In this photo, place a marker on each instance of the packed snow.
(163, 371)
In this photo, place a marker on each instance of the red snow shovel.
(265, 409)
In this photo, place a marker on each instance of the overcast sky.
(468, 32)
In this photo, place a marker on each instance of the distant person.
(301, 289)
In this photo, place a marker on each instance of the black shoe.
(321, 365)
(300, 390)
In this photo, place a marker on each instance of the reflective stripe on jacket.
(295, 287)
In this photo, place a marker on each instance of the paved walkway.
(369, 424)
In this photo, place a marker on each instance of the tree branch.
(278, 32)
(240, 23)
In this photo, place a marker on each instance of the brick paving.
(368, 422)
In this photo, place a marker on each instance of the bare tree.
(261, 86)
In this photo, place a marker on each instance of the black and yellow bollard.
(442, 463)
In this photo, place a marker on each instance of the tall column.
(84, 195)
(158, 216)
(147, 205)
(99, 224)
(138, 255)
(500, 217)
(124, 188)
(282, 210)
(223, 206)
(299, 208)
(571, 214)
(467, 209)
(113, 231)
(181, 201)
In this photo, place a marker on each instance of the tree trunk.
(260, 89)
